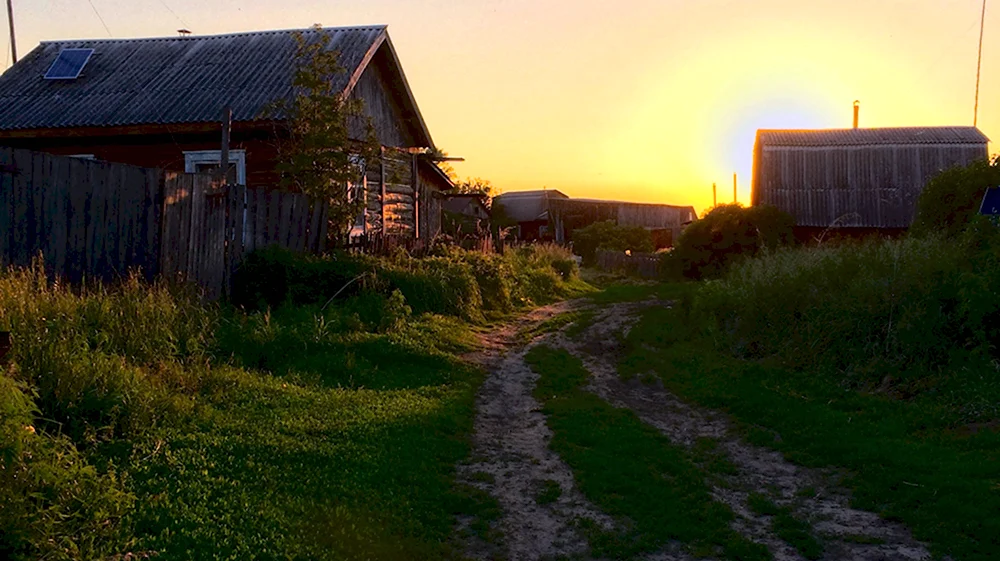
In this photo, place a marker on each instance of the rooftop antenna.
(10, 19)
(979, 63)
(184, 32)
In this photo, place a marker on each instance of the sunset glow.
(642, 100)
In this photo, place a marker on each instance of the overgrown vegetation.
(134, 419)
(452, 282)
(724, 236)
(951, 199)
(631, 471)
(877, 358)
(610, 236)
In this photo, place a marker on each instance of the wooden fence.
(98, 220)
(209, 228)
(645, 265)
(88, 219)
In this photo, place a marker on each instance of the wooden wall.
(853, 186)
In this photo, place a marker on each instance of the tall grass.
(883, 314)
(454, 282)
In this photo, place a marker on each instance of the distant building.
(856, 182)
(552, 215)
(530, 209)
(465, 213)
(665, 222)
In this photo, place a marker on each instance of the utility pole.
(10, 19)
(714, 201)
(979, 63)
(734, 189)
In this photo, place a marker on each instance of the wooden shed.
(664, 221)
(856, 181)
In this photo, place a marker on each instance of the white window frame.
(238, 157)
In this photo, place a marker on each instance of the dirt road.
(512, 460)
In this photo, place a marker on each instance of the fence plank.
(6, 202)
(58, 221)
(20, 216)
(78, 187)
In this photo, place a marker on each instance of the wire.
(100, 18)
(183, 23)
(979, 64)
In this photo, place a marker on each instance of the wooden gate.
(194, 232)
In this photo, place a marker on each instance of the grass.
(905, 459)
(630, 471)
(549, 493)
(795, 532)
(134, 419)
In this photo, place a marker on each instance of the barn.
(159, 103)
(856, 182)
(665, 222)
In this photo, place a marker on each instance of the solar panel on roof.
(69, 64)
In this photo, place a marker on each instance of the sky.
(639, 100)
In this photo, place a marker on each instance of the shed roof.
(173, 80)
(528, 206)
(458, 202)
(869, 137)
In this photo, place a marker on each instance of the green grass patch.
(795, 532)
(630, 470)
(904, 459)
(549, 492)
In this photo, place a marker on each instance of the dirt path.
(848, 533)
(511, 456)
(512, 461)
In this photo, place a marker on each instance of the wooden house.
(159, 102)
(856, 182)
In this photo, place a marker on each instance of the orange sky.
(645, 100)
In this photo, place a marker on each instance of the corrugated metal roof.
(865, 137)
(528, 206)
(168, 80)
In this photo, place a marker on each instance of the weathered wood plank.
(58, 208)
(6, 203)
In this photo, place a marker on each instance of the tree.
(476, 186)
(328, 138)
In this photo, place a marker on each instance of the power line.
(979, 64)
(174, 13)
(100, 18)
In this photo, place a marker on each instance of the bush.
(726, 234)
(453, 282)
(610, 236)
(951, 199)
(878, 313)
(53, 505)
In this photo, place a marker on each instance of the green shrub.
(454, 282)
(609, 235)
(952, 198)
(53, 505)
(725, 235)
(878, 313)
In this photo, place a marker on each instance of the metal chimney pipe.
(857, 104)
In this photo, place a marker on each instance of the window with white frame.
(208, 161)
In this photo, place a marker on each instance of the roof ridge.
(371, 27)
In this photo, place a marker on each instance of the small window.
(208, 161)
